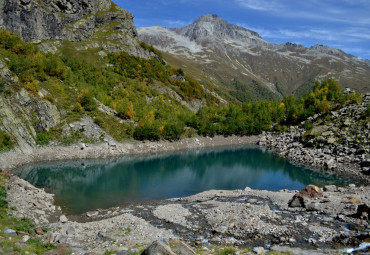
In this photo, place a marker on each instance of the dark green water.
(81, 186)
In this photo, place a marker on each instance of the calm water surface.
(81, 186)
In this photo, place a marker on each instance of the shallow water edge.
(16, 158)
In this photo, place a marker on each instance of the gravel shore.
(16, 158)
(330, 219)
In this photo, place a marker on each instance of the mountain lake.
(86, 185)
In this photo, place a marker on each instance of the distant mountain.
(241, 66)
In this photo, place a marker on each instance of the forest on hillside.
(127, 84)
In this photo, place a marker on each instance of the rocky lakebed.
(312, 221)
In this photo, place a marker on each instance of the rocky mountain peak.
(211, 25)
(208, 18)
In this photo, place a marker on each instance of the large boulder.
(363, 211)
(306, 194)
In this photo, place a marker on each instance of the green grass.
(90, 55)
(226, 251)
(110, 252)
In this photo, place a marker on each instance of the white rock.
(25, 238)
(259, 250)
(63, 219)
(92, 214)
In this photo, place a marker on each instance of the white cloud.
(329, 11)
(259, 5)
(175, 23)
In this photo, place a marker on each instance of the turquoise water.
(81, 186)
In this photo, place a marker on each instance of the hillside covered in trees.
(146, 98)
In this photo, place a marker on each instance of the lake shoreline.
(11, 160)
(16, 158)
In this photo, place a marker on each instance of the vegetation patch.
(10, 242)
(6, 141)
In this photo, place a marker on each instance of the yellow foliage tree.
(130, 112)
(161, 129)
(150, 118)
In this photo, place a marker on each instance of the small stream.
(86, 185)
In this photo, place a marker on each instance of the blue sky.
(343, 24)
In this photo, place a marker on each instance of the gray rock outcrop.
(21, 115)
(98, 23)
(13, 124)
(48, 115)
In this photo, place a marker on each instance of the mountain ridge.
(237, 60)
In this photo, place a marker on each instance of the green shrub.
(43, 138)
(26, 225)
(172, 131)
(3, 201)
(280, 128)
(308, 125)
(150, 133)
(226, 251)
(87, 101)
(78, 107)
(6, 142)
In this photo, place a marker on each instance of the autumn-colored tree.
(130, 112)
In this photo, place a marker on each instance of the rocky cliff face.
(239, 63)
(21, 114)
(98, 23)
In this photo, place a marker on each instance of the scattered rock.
(63, 219)
(330, 188)
(9, 231)
(296, 251)
(179, 247)
(353, 200)
(21, 233)
(158, 248)
(102, 236)
(39, 231)
(92, 214)
(25, 238)
(68, 230)
(259, 250)
(312, 206)
(296, 201)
